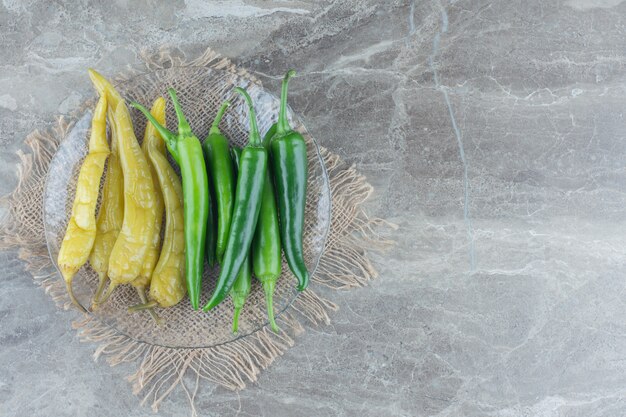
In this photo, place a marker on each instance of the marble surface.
(494, 134)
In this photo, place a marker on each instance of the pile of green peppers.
(242, 207)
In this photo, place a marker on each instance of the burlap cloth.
(228, 361)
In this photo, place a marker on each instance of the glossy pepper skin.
(81, 230)
(211, 229)
(235, 155)
(266, 247)
(220, 166)
(248, 198)
(241, 288)
(187, 152)
(289, 167)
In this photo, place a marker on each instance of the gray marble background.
(494, 134)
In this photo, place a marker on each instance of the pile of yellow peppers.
(123, 241)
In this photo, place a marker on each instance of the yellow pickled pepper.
(81, 230)
(133, 241)
(167, 286)
(140, 211)
(143, 280)
(111, 213)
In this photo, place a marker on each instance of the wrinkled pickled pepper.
(81, 229)
(111, 215)
(133, 241)
(167, 286)
(187, 151)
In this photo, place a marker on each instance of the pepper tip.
(212, 303)
(95, 77)
(301, 287)
(303, 280)
(70, 291)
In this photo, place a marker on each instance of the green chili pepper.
(248, 197)
(221, 168)
(266, 259)
(289, 166)
(187, 151)
(235, 155)
(241, 288)
(269, 135)
(211, 228)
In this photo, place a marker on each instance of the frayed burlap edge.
(345, 264)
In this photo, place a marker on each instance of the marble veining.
(457, 131)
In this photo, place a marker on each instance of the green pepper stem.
(236, 319)
(282, 126)
(215, 127)
(170, 138)
(70, 292)
(183, 126)
(268, 288)
(255, 138)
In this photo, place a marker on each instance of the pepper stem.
(215, 127)
(70, 292)
(146, 305)
(101, 284)
(104, 299)
(268, 288)
(170, 138)
(255, 138)
(236, 319)
(282, 126)
(183, 125)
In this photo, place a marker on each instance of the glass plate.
(201, 91)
